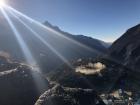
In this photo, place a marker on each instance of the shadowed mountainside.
(127, 48)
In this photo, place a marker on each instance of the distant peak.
(48, 24)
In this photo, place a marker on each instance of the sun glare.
(2, 3)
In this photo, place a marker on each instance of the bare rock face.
(127, 48)
(21, 86)
(69, 96)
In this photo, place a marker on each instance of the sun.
(2, 3)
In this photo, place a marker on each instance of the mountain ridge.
(56, 28)
(127, 48)
(74, 48)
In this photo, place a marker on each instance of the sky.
(106, 20)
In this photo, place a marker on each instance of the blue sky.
(102, 19)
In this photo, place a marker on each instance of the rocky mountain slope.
(105, 81)
(69, 96)
(101, 77)
(19, 84)
(127, 48)
(22, 85)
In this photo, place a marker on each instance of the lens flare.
(24, 47)
(41, 39)
(2, 3)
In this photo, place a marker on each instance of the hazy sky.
(101, 19)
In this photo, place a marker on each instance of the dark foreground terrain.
(69, 96)
(21, 85)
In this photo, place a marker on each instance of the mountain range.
(59, 55)
(61, 46)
